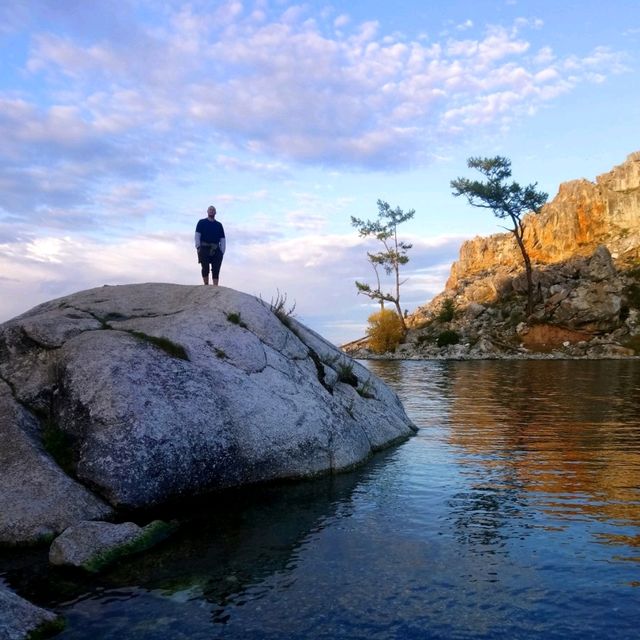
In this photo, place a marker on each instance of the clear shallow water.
(514, 513)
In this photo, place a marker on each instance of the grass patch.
(234, 318)
(220, 354)
(365, 391)
(168, 346)
(346, 375)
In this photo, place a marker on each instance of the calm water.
(514, 513)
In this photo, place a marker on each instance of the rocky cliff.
(582, 216)
(585, 250)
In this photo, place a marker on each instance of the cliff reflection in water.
(563, 436)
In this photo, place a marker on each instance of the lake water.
(514, 513)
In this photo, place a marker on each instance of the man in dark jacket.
(210, 245)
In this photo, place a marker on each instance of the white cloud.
(275, 84)
(341, 21)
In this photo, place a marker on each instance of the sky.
(121, 122)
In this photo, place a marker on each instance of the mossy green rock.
(92, 546)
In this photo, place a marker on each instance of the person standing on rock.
(210, 245)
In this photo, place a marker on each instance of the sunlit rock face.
(582, 216)
(585, 253)
(158, 391)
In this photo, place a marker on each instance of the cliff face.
(582, 216)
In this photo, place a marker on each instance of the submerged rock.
(157, 391)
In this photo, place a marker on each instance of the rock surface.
(585, 308)
(158, 391)
(19, 618)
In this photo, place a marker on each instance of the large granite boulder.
(158, 391)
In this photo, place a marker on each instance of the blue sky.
(121, 122)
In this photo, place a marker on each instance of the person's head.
(211, 212)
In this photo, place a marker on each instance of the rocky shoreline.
(586, 309)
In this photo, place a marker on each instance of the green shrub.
(385, 331)
(281, 310)
(423, 339)
(448, 337)
(47, 629)
(447, 310)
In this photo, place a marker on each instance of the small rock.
(93, 545)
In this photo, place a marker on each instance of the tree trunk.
(399, 310)
(528, 271)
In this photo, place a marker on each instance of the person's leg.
(216, 262)
(205, 270)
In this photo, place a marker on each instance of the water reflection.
(228, 549)
(561, 436)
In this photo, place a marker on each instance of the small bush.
(447, 311)
(47, 629)
(279, 307)
(448, 337)
(385, 331)
(423, 339)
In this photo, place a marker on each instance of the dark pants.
(214, 259)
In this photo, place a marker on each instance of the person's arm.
(197, 239)
(222, 244)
